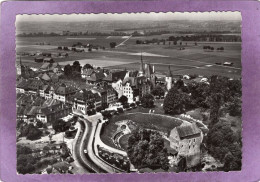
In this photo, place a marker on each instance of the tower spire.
(20, 61)
(169, 71)
(141, 71)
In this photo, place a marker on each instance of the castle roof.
(188, 130)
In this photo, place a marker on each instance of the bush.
(132, 105)
(123, 99)
(120, 110)
(34, 134)
(112, 44)
(126, 106)
(147, 101)
(39, 124)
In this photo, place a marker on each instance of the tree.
(67, 70)
(234, 107)
(146, 149)
(23, 150)
(224, 145)
(175, 101)
(147, 100)
(50, 137)
(179, 84)
(31, 132)
(112, 44)
(46, 149)
(25, 163)
(88, 66)
(60, 125)
(158, 91)
(76, 66)
(123, 99)
(19, 123)
(39, 124)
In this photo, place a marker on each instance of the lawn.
(70, 40)
(124, 141)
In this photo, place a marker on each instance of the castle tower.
(168, 79)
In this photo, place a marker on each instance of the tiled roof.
(87, 95)
(51, 109)
(23, 84)
(35, 84)
(45, 77)
(96, 76)
(188, 130)
(50, 66)
(131, 80)
(32, 111)
(88, 72)
(63, 90)
(114, 76)
(50, 102)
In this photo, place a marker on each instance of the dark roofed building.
(63, 92)
(34, 85)
(115, 76)
(95, 77)
(52, 113)
(86, 100)
(22, 86)
(188, 131)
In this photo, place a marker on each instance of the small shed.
(39, 59)
(48, 60)
(47, 54)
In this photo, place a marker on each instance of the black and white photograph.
(128, 93)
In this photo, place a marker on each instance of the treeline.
(52, 34)
(207, 37)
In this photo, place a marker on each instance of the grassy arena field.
(161, 123)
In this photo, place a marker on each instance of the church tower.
(168, 79)
(141, 71)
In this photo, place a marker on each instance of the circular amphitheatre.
(119, 128)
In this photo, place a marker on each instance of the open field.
(192, 60)
(70, 40)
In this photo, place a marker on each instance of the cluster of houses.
(101, 89)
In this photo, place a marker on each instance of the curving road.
(84, 159)
(86, 140)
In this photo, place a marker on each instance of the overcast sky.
(134, 16)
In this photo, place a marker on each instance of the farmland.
(191, 60)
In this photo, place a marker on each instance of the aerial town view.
(128, 93)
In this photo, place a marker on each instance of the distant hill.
(110, 26)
